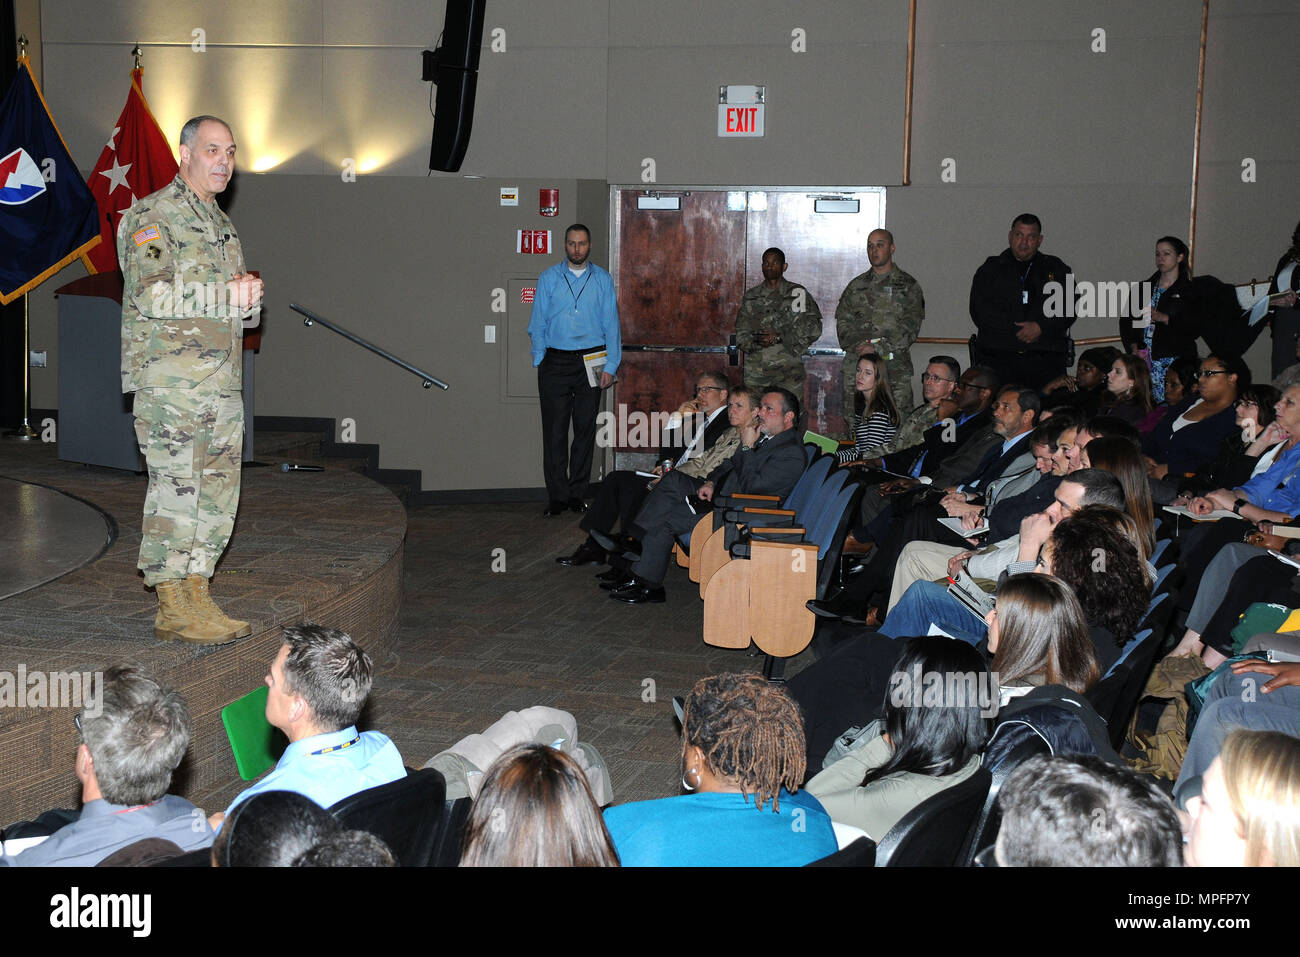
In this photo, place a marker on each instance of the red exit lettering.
(740, 119)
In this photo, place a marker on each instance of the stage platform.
(326, 546)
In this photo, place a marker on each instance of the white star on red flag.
(137, 157)
(116, 175)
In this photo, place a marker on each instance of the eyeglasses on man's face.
(926, 377)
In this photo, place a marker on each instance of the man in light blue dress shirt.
(319, 682)
(574, 316)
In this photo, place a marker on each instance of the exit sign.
(740, 120)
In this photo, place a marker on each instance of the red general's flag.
(135, 162)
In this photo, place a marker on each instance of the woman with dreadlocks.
(742, 763)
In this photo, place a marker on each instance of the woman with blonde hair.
(1248, 813)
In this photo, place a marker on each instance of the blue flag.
(47, 216)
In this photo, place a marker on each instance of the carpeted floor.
(474, 643)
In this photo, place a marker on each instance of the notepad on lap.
(954, 525)
(1213, 516)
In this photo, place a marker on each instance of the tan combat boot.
(178, 621)
(203, 605)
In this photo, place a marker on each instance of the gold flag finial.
(136, 53)
(22, 46)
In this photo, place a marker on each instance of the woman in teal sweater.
(743, 756)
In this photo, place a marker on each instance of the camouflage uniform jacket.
(775, 310)
(889, 308)
(699, 466)
(177, 252)
(911, 432)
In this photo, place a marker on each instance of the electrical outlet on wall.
(489, 333)
(37, 360)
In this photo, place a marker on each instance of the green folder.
(822, 442)
(256, 744)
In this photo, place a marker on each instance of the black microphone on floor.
(286, 467)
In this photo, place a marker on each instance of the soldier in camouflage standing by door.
(880, 311)
(777, 322)
(184, 298)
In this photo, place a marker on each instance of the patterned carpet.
(473, 644)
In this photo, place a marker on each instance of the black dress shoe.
(639, 594)
(821, 609)
(588, 553)
(614, 574)
(577, 505)
(625, 580)
(556, 507)
(608, 542)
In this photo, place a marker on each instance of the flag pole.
(25, 433)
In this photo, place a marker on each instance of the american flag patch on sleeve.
(142, 236)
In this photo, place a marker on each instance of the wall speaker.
(455, 71)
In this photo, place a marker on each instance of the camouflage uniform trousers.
(192, 441)
(899, 370)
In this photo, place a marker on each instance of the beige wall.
(1098, 144)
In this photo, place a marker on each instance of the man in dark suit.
(769, 461)
(950, 449)
(690, 432)
(1007, 470)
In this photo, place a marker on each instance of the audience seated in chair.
(1092, 550)
(770, 460)
(1006, 470)
(319, 682)
(1085, 389)
(534, 809)
(1190, 434)
(1083, 812)
(133, 738)
(935, 720)
(743, 760)
(1271, 496)
(697, 438)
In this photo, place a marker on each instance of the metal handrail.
(311, 317)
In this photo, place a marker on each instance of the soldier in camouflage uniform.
(777, 322)
(880, 311)
(184, 298)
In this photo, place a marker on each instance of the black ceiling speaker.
(453, 67)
